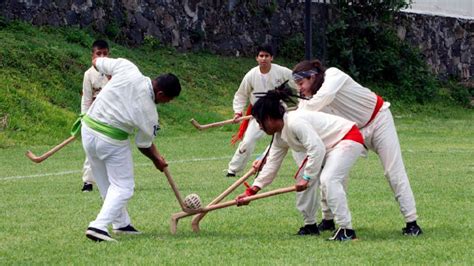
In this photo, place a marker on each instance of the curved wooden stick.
(225, 122)
(175, 217)
(196, 219)
(220, 123)
(177, 194)
(46, 155)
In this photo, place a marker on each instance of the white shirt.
(92, 83)
(342, 96)
(127, 101)
(304, 131)
(253, 82)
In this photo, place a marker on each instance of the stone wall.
(236, 27)
(447, 43)
(225, 27)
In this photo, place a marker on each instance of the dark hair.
(100, 44)
(169, 85)
(265, 48)
(312, 65)
(269, 104)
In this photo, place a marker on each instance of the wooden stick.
(225, 122)
(46, 155)
(249, 198)
(175, 217)
(196, 219)
(219, 124)
(176, 192)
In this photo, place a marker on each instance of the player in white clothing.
(92, 83)
(262, 78)
(125, 105)
(323, 138)
(335, 92)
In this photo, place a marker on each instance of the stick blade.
(33, 157)
(173, 224)
(196, 124)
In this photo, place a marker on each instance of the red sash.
(243, 127)
(378, 105)
(354, 135)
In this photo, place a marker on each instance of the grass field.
(44, 214)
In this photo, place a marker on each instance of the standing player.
(262, 78)
(92, 83)
(335, 92)
(322, 138)
(127, 103)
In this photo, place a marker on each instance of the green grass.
(44, 216)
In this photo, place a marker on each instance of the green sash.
(109, 131)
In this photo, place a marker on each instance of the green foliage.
(459, 93)
(292, 48)
(112, 30)
(151, 43)
(362, 41)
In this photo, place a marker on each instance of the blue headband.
(304, 74)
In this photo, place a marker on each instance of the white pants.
(246, 147)
(87, 176)
(307, 201)
(381, 137)
(112, 167)
(333, 181)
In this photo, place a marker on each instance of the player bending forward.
(323, 138)
(125, 104)
(335, 92)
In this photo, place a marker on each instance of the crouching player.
(125, 104)
(323, 138)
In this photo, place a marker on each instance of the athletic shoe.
(87, 187)
(308, 229)
(230, 174)
(343, 235)
(98, 235)
(412, 229)
(326, 225)
(127, 230)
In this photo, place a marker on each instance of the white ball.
(192, 201)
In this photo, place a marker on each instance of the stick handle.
(174, 188)
(46, 155)
(220, 123)
(250, 198)
(225, 122)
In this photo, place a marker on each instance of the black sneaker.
(87, 187)
(326, 225)
(308, 229)
(127, 230)
(412, 229)
(230, 174)
(98, 235)
(343, 235)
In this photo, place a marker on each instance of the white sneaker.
(98, 235)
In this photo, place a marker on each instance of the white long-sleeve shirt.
(304, 131)
(127, 101)
(255, 81)
(92, 83)
(342, 96)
